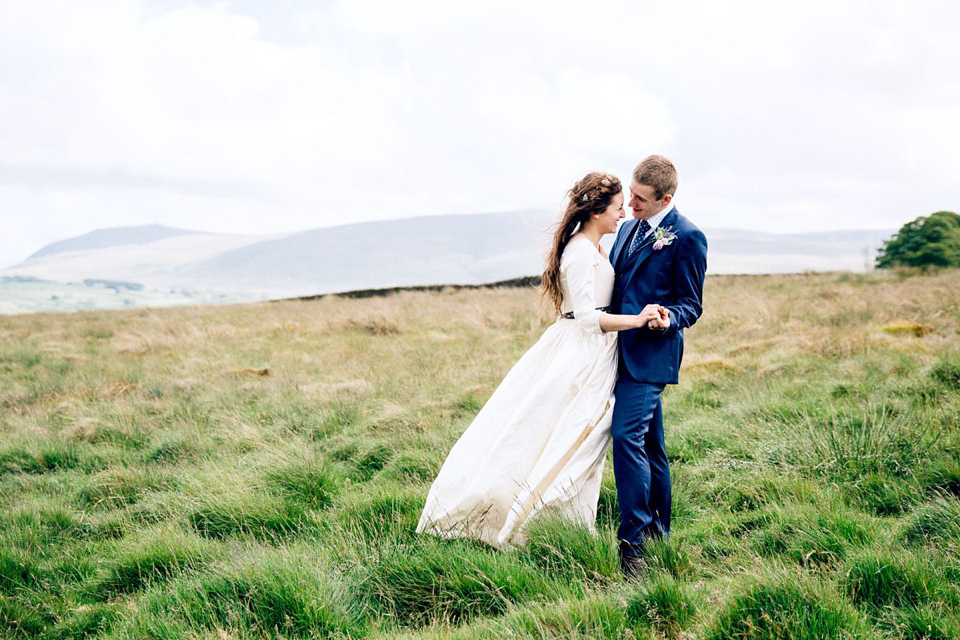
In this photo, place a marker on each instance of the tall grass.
(155, 483)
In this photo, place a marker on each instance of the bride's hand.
(650, 313)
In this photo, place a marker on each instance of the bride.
(541, 439)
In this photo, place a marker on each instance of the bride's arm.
(579, 270)
(619, 322)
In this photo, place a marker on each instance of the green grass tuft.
(274, 596)
(22, 619)
(45, 456)
(662, 603)
(877, 580)
(412, 467)
(813, 538)
(386, 511)
(670, 555)
(450, 580)
(926, 623)
(946, 373)
(942, 476)
(785, 609)
(370, 461)
(23, 357)
(570, 550)
(310, 482)
(151, 556)
(584, 619)
(883, 495)
(16, 571)
(174, 449)
(261, 517)
(122, 486)
(87, 621)
(935, 523)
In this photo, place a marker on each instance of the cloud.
(254, 117)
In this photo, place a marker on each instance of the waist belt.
(569, 314)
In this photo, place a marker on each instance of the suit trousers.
(640, 463)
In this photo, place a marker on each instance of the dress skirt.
(538, 443)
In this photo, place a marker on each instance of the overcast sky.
(263, 117)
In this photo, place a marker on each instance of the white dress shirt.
(655, 221)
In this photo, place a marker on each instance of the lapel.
(621, 248)
(632, 263)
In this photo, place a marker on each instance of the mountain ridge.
(469, 249)
(111, 237)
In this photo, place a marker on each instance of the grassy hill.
(257, 471)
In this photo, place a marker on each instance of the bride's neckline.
(579, 235)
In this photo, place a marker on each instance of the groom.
(660, 258)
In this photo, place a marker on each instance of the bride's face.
(612, 215)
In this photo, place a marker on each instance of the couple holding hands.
(595, 375)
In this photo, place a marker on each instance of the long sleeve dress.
(540, 440)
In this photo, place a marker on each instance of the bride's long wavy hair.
(591, 194)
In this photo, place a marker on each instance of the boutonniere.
(663, 237)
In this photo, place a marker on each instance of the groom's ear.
(667, 199)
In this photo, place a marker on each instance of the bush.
(931, 241)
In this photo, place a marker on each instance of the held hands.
(654, 317)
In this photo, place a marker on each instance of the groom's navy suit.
(671, 276)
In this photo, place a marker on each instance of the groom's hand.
(662, 321)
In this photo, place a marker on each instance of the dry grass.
(274, 457)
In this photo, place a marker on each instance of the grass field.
(258, 471)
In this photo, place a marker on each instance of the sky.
(260, 117)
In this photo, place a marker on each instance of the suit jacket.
(672, 277)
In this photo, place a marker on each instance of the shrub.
(928, 241)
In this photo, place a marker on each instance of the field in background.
(258, 470)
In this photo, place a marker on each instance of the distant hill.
(465, 249)
(186, 266)
(113, 237)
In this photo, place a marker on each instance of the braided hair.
(591, 194)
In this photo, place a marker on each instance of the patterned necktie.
(639, 236)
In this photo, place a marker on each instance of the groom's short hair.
(657, 172)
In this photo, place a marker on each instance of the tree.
(931, 241)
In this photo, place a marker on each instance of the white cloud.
(247, 117)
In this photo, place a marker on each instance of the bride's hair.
(592, 194)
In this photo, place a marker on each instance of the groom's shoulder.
(683, 223)
(685, 228)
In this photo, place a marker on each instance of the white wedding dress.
(541, 439)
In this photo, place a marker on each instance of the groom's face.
(643, 201)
